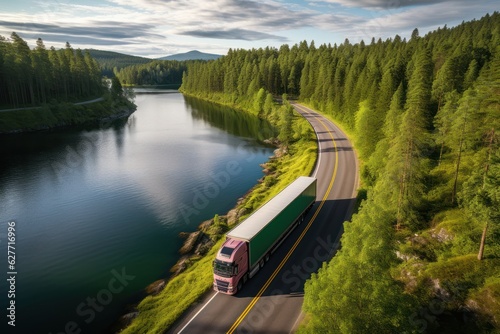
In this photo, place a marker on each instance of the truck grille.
(221, 285)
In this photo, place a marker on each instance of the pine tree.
(443, 121)
(116, 87)
(367, 133)
(268, 105)
(445, 82)
(40, 75)
(286, 117)
(461, 133)
(259, 102)
(354, 292)
(481, 193)
(413, 139)
(378, 161)
(23, 69)
(471, 74)
(42, 69)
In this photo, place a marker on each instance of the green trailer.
(267, 226)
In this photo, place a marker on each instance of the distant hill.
(192, 55)
(109, 60)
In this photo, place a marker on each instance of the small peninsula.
(42, 88)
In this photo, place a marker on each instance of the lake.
(98, 210)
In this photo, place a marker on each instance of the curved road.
(271, 301)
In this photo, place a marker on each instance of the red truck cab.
(231, 266)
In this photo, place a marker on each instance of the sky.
(156, 28)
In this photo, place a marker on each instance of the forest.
(31, 77)
(156, 73)
(110, 62)
(422, 253)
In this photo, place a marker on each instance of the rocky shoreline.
(199, 242)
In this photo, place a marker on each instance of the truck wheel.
(240, 285)
(261, 263)
(245, 278)
(267, 257)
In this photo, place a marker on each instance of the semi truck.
(249, 245)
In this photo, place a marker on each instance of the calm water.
(98, 210)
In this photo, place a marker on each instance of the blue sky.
(155, 28)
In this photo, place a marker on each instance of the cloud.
(153, 22)
(172, 26)
(383, 4)
(386, 23)
(108, 30)
(240, 34)
(427, 18)
(244, 14)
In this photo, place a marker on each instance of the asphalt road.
(271, 301)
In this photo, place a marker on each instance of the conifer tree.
(471, 74)
(42, 69)
(444, 119)
(260, 100)
(23, 69)
(378, 161)
(413, 139)
(268, 105)
(35, 76)
(116, 87)
(354, 292)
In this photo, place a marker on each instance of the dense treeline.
(241, 73)
(423, 252)
(31, 77)
(111, 62)
(157, 72)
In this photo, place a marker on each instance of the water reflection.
(108, 196)
(234, 122)
(119, 131)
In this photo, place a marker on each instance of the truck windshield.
(224, 269)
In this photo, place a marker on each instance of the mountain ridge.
(191, 55)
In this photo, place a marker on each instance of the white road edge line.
(183, 328)
(297, 322)
(319, 151)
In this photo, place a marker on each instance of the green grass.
(466, 233)
(465, 268)
(300, 161)
(289, 168)
(158, 313)
(487, 299)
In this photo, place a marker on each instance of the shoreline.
(201, 243)
(64, 115)
(197, 243)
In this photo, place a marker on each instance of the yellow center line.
(299, 239)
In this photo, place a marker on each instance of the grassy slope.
(461, 293)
